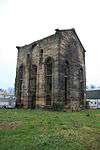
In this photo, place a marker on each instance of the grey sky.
(23, 21)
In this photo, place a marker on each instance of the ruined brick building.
(50, 71)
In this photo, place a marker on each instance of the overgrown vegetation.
(44, 130)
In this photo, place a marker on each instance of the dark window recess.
(20, 81)
(66, 89)
(41, 56)
(32, 85)
(48, 86)
(66, 78)
(21, 72)
(28, 58)
(81, 84)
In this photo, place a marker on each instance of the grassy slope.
(43, 130)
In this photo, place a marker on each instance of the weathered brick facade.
(50, 71)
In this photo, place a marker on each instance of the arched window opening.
(66, 77)
(32, 85)
(48, 80)
(81, 84)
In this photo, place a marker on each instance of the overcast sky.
(24, 21)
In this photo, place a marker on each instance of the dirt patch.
(10, 125)
(98, 115)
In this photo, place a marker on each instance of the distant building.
(51, 71)
(7, 102)
(93, 98)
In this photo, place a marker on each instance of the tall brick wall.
(73, 52)
(63, 46)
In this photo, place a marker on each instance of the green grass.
(43, 130)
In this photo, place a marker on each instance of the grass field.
(43, 130)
